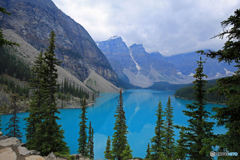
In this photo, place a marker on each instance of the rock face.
(135, 65)
(34, 20)
(140, 68)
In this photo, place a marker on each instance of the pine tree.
(119, 141)
(199, 128)
(82, 141)
(108, 151)
(127, 153)
(169, 150)
(14, 129)
(90, 142)
(37, 100)
(181, 149)
(158, 141)
(148, 152)
(49, 135)
(229, 86)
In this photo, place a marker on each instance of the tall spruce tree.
(119, 141)
(229, 86)
(148, 152)
(82, 141)
(199, 128)
(14, 129)
(181, 148)
(37, 100)
(49, 135)
(127, 153)
(108, 151)
(90, 142)
(158, 141)
(169, 150)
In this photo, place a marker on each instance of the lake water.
(140, 107)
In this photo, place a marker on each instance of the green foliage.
(188, 92)
(90, 142)
(229, 86)
(169, 150)
(158, 141)
(82, 141)
(119, 141)
(14, 129)
(13, 66)
(47, 135)
(69, 157)
(127, 153)
(198, 128)
(181, 148)
(148, 152)
(108, 151)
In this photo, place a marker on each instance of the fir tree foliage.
(148, 152)
(158, 141)
(90, 142)
(169, 150)
(13, 127)
(47, 134)
(108, 150)
(229, 86)
(119, 141)
(127, 153)
(82, 141)
(199, 128)
(181, 148)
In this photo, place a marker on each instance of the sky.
(166, 26)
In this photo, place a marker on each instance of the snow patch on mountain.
(228, 72)
(113, 37)
(137, 66)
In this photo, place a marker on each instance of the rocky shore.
(12, 149)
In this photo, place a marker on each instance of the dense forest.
(188, 92)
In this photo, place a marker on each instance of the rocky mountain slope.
(138, 67)
(34, 20)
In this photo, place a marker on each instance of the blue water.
(140, 107)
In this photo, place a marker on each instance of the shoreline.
(193, 100)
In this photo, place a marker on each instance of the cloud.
(168, 26)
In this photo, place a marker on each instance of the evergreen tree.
(158, 141)
(108, 151)
(148, 152)
(181, 149)
(49, 135)
(119, 141)
(229, 86)
(14, 129)
(37, 101)
(90, 142)
(199, 128)
(127, 153)
(82, 141)
(169, 150)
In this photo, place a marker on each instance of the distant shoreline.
(193, 100)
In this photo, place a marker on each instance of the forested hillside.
(188, 92)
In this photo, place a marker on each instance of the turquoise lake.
(140, 109)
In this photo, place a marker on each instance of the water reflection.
(140, 108)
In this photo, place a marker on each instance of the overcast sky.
(168, 26)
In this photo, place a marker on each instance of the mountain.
(140, 68)
(33, 20)
(186, 65)
(137, 67)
